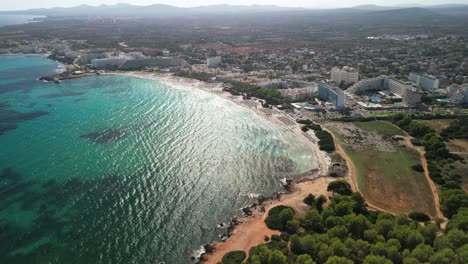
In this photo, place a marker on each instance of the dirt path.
(252, 230)
(422, 157)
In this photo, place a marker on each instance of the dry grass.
(458, 145)
(384, 175)
(438, 124)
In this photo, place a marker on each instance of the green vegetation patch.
(439, 158)
(438, 124)
(234, 257)
(278, 217)
(345, 232)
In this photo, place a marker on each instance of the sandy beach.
(252, 230)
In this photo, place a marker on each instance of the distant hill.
(408, 15)
(374, 7)
(358, 14)
(151, 10)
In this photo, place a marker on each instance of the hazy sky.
(26, 4)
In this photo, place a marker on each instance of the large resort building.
(424, 81)
(408, 93)
(346, 75)
(331, 94)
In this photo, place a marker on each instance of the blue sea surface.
(114, 169)
(8, 20)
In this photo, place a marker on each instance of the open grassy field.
(386, 129)
(383, 167)
(458, 145)
(437, 124)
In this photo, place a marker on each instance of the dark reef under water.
(9, 119)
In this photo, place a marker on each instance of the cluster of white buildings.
(298, 93)
(409, 94)
(458, 94)
(424, 81)
(109, 59)
(346, 75)
(129, 61)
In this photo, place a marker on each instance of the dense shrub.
(420, 217)
(310, 199)
(418, 168)
(326, 142)
(278, 217)
(234, 257)
(437, 156)
(340, 187)
(457, 129)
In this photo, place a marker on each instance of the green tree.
(312, 221)
(278, 217)
(411, 260)
(234, 257)
(358, 225)
(340, 186)
(463, 254)
(457, 238)
(338, 260)
(414, 239)
(373, 259)
(445, 256)
(292, 226)
(393, 253)
(320, 202)
(277, 257)
(422, 253)
(310, 199)
(383, 227)
(295, 244)
(459, 221)
(452, 200)
(304, 259)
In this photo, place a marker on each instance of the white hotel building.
(347, 75)
(424, 81)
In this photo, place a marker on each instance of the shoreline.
(250, 230)
(271, 116)
(45, 55)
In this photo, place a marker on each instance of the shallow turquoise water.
(114, 169)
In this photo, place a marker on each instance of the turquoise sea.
(113, 169)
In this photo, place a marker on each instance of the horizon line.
(241, 5)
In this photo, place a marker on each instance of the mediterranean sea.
(114, 169)
(8, 20)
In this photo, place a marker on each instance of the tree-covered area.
(202, 76)
(457, 129)
(271, 96)
(452, 197)
(346, 232)
(326, 142)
